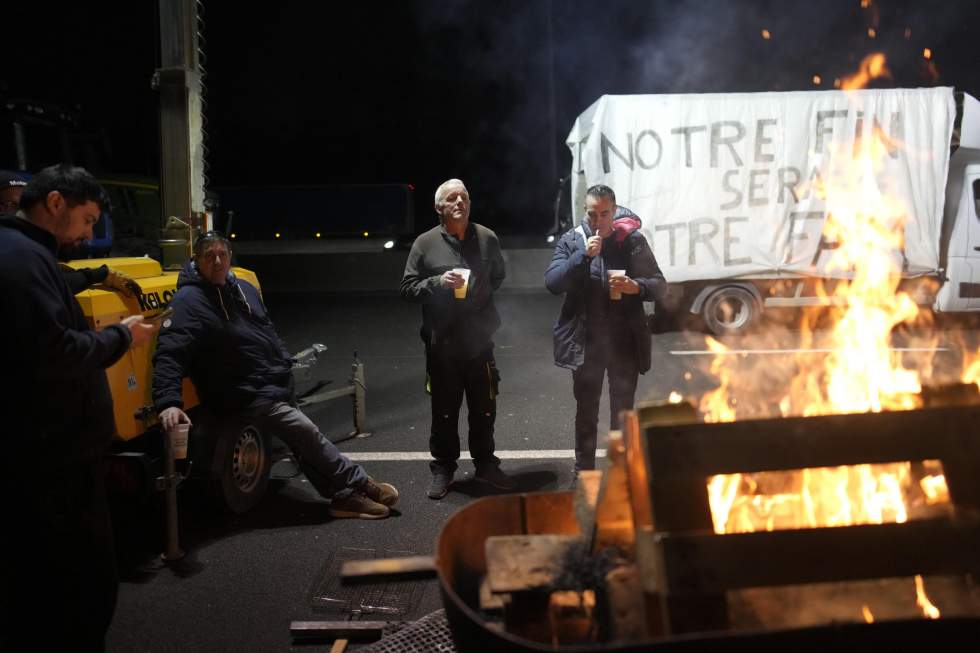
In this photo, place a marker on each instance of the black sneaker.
(439, 486)
(496, 478)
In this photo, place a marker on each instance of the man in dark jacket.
(606, 270)
(57, 557)
(12, 186)
(221, 336)
(458, 321)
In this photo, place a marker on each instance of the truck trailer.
(730, 191)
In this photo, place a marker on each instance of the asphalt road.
(247, 577)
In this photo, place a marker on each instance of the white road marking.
(735, 352)
(514, 454)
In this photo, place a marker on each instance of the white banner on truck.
(727, 184)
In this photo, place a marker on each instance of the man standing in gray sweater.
(453, 270)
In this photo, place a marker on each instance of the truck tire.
(730, 310)
(240, 466)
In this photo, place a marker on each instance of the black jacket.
(222, 338)
(583, 281)
(464, 325)
(57, 408)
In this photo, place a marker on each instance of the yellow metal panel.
(137, 267)
(131, 378)
(249, 276)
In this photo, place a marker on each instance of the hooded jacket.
(222, 338)
(57, 408)
(583, 281)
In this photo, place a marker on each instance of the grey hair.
(443, 187)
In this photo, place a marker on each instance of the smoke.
(514, 75)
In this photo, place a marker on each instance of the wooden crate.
(686, 568)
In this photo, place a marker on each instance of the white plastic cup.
(178, 440)
(461, 291)
(615, 294)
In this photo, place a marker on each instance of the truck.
(726, 186)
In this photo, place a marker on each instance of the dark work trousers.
(332, 473)
(451, 377)
(58, 567)
(603, 351)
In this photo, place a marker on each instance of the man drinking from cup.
(606, 270)
(453, 270)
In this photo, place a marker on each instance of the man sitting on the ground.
(221, 336)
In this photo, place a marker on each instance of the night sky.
(416, 92)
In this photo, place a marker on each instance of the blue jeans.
(329, 471)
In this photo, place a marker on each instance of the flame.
(861, 372)
(716, 405)
(871, 67)
(855, 371)
(971, 369)
(866, 612)
(811, 498)
(928, 609)
(935, 490)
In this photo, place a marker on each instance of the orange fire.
(871, 67)
(860, 372)
(866, 612)
(921, 600)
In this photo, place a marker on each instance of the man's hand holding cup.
(457, 279)
(620, 284)
(171, 417)
(140, 330)
(451, 280)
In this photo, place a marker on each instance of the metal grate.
(430, 634)
(393, 598)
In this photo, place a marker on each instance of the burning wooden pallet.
(688, 567)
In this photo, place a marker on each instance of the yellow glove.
(124, 283)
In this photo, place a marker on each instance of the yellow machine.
(231, 454)
(131, 378)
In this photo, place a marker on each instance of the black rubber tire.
(730, 311)
(240, 466)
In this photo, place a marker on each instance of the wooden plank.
(520, 563)
(613, 513)
(819, 441)
(711, 563)
(664, 498)
(354, 631)
(676, 501)
(625, 609)
(490, 602)
(586, 495)
(571, 617)
(381, 569)
(634, 460)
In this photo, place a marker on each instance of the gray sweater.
(462, 327)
